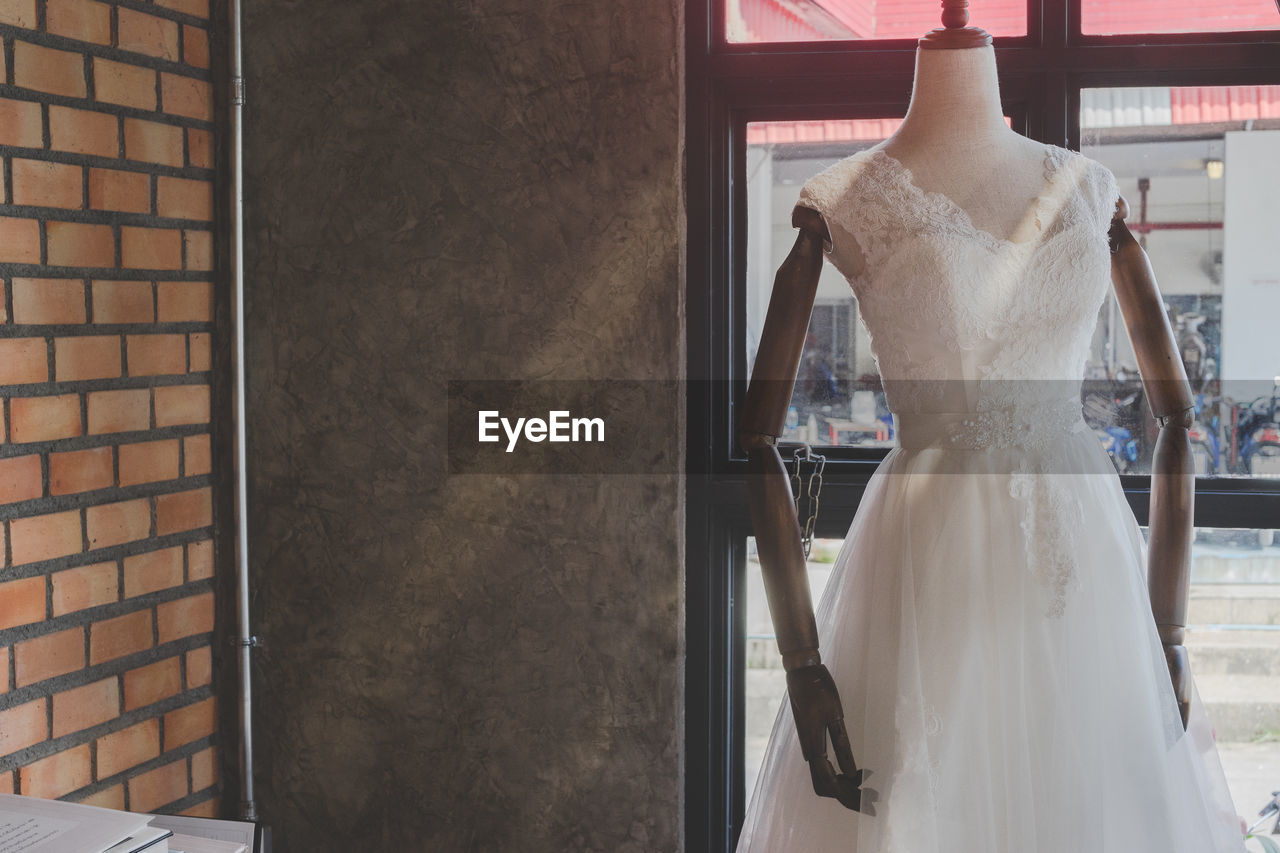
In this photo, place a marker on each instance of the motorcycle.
(1205, 455)
(1103, 412)
(1199, 367)
(1258, 435)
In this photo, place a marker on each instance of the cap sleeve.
(819, 193)
(828, 192)
(1108, 190)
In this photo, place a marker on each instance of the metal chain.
(805, 452)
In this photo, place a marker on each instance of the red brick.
(119, 411)
(21, 603)
(86, 357)
(150, 791)
(107, 798)
(24, 725)
(123, 302)
(116, 523)
(84, 131)
(208, 808)
(60, 773)
(199, 8)
(48, 656)
(150, 248)
(6, 782)
(185, 301)
(204, 770)
(20, 13)
(184, 617)
(155, 570)
(200, 560)
(121, 636)
(44, 537)
(195, 46)
(143, 33)
(113, 189)
(4, 665)
(80, 471)
(184, 511)
(84, 587)
(44, 69)
(199, 667)
(19, 240)
(199, 249)
(39, 301)
(183, 198)
(152, 142)
(83, 707)
(152, 683)
(83, 20)
(186, 96)
(44, 418)
(20, 478)
(76, 244)
(124, 84)
(189, 723)
(201, 356)
(148, 462)
(154, 355)
(20, 124)
(23, 360)
(129, 747)
(45, 184)
(200, 147)
(181, 404)
(195, 455)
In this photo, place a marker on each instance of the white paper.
(34, 825)
(239, 831)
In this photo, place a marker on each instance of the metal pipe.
(245, 641)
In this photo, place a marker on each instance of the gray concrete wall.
(461, 190)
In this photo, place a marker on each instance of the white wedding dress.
(987, 620)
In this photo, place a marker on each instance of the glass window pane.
(1199, 169)
(837, 398)
(1233, 641)
(1106, 17)
(753, 21)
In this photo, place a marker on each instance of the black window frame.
(731, 84)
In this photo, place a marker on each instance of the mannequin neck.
(955, 98)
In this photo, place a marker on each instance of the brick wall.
(106, 324)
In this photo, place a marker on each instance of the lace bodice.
(959, 317)
(980, 340)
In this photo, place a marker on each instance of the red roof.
(813, 20)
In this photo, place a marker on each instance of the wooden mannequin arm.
(772, 506)
(815, 701)
(1172, 475)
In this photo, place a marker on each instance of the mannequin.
(954, 117)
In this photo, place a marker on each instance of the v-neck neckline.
(1054, 155)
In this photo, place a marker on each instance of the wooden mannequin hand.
(815, 704)
(1180, 672)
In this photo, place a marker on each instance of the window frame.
(730, 84)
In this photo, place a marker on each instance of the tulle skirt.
(988, 626)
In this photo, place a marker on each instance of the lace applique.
(1051, 513)
(1034, 428)
(933, 728)
(918, 732)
